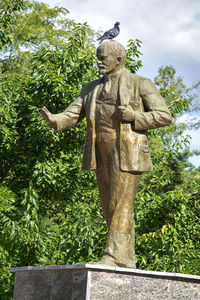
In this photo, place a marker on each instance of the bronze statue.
(119, 107)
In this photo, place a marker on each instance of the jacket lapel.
(89, 156)
(125, 90)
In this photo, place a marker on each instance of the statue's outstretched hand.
(49, 118)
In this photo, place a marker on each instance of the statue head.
(111, 57)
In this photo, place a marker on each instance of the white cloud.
(195, 145)
(195, 141)
(194, 135)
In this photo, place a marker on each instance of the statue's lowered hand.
(49, 118)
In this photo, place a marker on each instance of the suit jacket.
(150, 112)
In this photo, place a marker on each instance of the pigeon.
(110, 34)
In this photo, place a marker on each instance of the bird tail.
(100, 40)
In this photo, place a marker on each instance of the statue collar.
(112, 76)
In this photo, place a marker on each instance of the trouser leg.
(117, 193)
(121, 237)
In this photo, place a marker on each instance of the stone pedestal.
(97, 282)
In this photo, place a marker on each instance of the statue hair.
(116, 48)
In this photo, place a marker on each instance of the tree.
(168, 200)
(8, 10)
(39, 170)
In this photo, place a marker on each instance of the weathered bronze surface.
(119, 107)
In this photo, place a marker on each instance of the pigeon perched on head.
(110, 34)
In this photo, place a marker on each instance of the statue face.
(106, 60)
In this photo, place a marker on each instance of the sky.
(169, 31)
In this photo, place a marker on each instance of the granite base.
(97, 282)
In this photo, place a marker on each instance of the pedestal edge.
(98, 267)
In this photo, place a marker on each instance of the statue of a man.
(119, 107)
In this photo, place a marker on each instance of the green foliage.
(167, 205)
(167, 224)
(133, 63)
(49, 209)
(8, 10)
(43, 188)
(7, 237)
